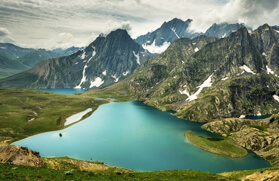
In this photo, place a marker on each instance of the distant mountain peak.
(159, 40)
(222, 30)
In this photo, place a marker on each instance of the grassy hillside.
(70, 169)
(28, 112)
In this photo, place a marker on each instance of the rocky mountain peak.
(175, 21)
(119, 33)
(159, 40)
(223, 29)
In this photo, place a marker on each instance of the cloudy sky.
(64, 23)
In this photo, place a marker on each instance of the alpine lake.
(138, 137)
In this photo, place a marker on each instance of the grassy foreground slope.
(70, 169)
(27, 112)
(65, 168)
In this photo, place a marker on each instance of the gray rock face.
(105, 61)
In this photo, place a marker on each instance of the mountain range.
(105, 61)
(207, 78)
(158, 41)
(15, 59)
(206, 73)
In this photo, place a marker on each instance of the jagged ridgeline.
(158, 41)
(105, 61)
(206, 78)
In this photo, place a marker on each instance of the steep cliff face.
(20, 156)
(105, 61)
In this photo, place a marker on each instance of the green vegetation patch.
(261, 128)
(27, 112)
(220, 146)
(12, 172)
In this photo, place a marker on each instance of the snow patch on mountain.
(185, 92)
(206, 83)
(269, 71)
(156, 49)
(247, 69)
(83, 55)
(115, 78)
(225, 78)
(196, 49)
(126, 73)
(104, 72)
(276, 97)
(137, 56)
(83, 79)
(96, 83)
(242, 116)
(93, 54)
(173, 30)
(264, 54)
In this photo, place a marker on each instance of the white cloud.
(250, 12)
(37, 23)
(4, 32)
(5, 36)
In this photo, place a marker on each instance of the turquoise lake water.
(135, 136)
